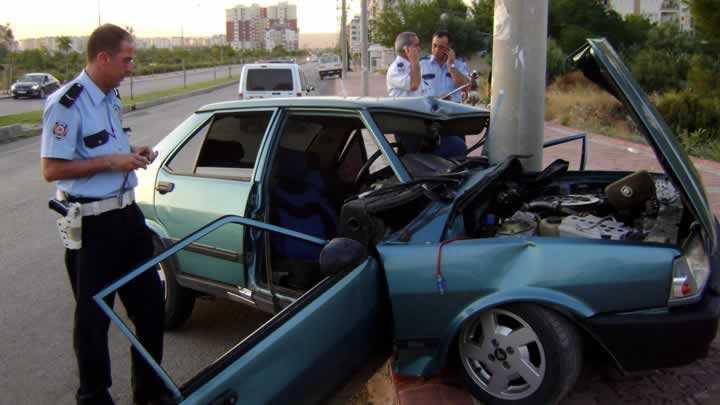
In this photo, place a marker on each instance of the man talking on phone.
(442, 72)
(403, 75)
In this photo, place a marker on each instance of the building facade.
(250, 27)
(657, 11)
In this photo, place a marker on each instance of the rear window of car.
(329, 59)
(269, 80)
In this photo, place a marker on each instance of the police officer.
(403, 75)
(442, 72)
(86, 151)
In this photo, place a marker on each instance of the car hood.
(601, 64)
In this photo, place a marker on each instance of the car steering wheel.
(366, 167)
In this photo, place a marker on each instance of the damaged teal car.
(335, 216)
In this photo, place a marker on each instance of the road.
(141, 84)
(37, 364)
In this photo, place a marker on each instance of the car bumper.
(330, 72)
(658, 339)
(26, 93)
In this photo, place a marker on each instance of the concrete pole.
(343, 38)
(518, 81)
(364, 57)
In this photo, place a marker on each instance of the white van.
(271, 79)
(329, 65)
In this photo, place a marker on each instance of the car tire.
(15, 96)
(539, 365)
(179, 301)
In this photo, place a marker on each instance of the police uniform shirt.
(398, 79)
(91, 127)
(437, 80)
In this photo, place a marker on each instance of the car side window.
(203, 154)
(232, 144)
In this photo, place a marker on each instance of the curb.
(168, 99)
(10, 132)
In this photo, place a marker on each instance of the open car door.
(304, 352)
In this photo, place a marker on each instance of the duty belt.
(102, 206)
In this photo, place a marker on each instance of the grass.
(575, 102)
(31, 117)
(34, 117)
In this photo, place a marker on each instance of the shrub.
(687, 111)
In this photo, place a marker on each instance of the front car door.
(304, 352)
(207, 177)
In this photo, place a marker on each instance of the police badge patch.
(60, 130)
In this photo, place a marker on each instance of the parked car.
(329, 65)
(353, 240)
(272, 79)
(34, 85)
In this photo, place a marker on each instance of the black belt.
(84, 200)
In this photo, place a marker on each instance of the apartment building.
(657, 11)
(248, 27)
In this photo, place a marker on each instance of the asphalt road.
(141, 84)
(37, 364)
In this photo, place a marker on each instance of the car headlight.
(691, 272)
(35, 86)
(12, 87)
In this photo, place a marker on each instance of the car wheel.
(15, 96)
(179, 301)
(519, 354)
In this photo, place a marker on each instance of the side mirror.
(341, 255)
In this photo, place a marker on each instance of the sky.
(151, 18)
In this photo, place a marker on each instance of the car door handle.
(164, 187)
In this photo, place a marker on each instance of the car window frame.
(205, 126)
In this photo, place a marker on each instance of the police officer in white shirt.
(442, 72)
(403, 75)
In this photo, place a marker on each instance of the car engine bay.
(637, 207)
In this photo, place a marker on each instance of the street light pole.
(364, 57)
(343, 38)
(518, 82)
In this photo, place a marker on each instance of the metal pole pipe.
(518, 78)
(343, 38)
(364, 56)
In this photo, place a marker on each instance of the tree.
(571, 21)
(426, 17)
(706, 16)
(482, 12)
(7, 41)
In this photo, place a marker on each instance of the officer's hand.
(127, 162)
(450, 56)
(413, 54)
(146, 152)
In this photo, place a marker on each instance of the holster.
(70, 222)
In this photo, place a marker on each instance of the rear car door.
(302, 354)
(207, 177)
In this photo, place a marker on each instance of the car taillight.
(240, 96)
(691, 272)
(298, 94)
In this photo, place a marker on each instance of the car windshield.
(32, 78)
(329, 59)
(269, 80)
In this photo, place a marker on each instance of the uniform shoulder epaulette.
(117, 93)
(426, 57)
(68, 99)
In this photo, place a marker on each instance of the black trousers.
(113, 243)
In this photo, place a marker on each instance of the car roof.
(270, 65)
(422, 105)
